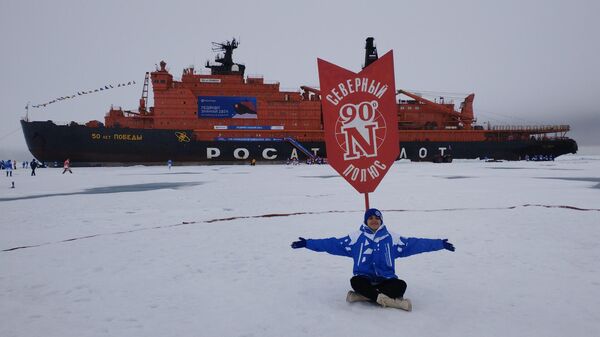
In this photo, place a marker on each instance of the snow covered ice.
(205, 250)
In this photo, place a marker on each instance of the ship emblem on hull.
(182, 137)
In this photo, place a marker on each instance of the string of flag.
(80, 93)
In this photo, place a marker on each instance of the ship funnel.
(370, 52)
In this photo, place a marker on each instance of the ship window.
(416, 108)
(401, 108)
(410, 107)
(163, 81)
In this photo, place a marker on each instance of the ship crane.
(308, 90)
(144, 100)
(465, 116)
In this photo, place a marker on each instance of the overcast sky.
(528, 62)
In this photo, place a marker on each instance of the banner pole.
(366, 201)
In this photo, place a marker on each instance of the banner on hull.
(227, 107)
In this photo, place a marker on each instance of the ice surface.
(205, 251)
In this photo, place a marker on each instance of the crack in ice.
(276, 215)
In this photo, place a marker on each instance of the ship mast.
(227, 66)
(144, 100)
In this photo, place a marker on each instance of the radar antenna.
(227, 66)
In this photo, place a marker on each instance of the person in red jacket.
(67, 166)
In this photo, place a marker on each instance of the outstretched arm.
(332, 246)
(412, 246)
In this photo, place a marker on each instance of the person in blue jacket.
(8, 166)
(374, 250)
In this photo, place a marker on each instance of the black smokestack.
(370, 52)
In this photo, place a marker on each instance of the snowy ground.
(141, 251)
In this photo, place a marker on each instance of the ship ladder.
(299, 146)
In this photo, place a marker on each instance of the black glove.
(299, 244)
(448, 245)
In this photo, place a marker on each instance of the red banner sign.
(360, 121)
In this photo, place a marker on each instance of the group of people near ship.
(539, 157)
(24, 164)
(309, 161)
(10, 165)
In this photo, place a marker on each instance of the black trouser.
(33, 171)
(393, 287)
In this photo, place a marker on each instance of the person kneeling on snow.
(374, 250)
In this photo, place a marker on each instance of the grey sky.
(528, 62)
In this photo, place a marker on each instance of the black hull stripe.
(104, 146)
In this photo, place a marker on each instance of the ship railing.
(261, 77)
(532, 128)
(57, 122)
(65, 123)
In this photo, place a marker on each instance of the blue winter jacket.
(374, 253)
